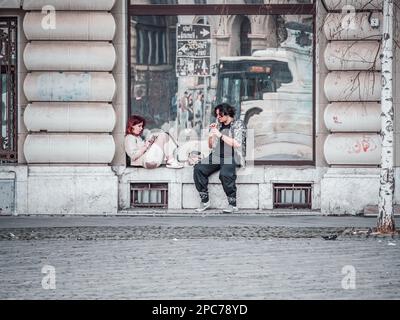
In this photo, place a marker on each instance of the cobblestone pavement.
(197, 258)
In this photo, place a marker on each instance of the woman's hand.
(150, 141)
(148, 144)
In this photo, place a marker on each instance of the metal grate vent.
(149, 195)
(292, 195)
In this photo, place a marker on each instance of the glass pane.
(4, 111)
(8, 52)
(183, 66)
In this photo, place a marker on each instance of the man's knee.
(227, 178)
(227, 173)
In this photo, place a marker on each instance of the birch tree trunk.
(385, 222)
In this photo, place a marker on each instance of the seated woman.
(149, 154)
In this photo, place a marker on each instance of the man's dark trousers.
(227, 175)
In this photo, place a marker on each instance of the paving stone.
(194, 258)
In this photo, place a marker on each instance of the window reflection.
(260, 64)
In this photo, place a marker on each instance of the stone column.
(352, 88)
(70, 114)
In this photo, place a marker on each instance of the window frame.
(10, 156)
(234, 9)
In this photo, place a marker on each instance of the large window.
(8, 89)
(184, 60)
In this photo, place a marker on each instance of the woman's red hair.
(133, 121)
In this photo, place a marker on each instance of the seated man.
(228, 143)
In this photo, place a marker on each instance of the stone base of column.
(71, 190)
(349, 190)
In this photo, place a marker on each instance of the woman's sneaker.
(230, 209)
(203, 207)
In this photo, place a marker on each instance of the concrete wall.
(255, 187)
(10, 4)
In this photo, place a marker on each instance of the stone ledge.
(7, 176)
(252, 175)
(372, 211)
(10, 4)
(350, 171)
(184, 175)
(68, 171)
(217, 212)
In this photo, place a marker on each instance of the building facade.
(304, 75)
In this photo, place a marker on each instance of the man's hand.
(215, 133)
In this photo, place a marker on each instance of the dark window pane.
(245, 43)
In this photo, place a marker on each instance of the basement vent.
(294, 196)
(149, 195)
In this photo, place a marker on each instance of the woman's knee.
(151, 164)
(163, 136)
